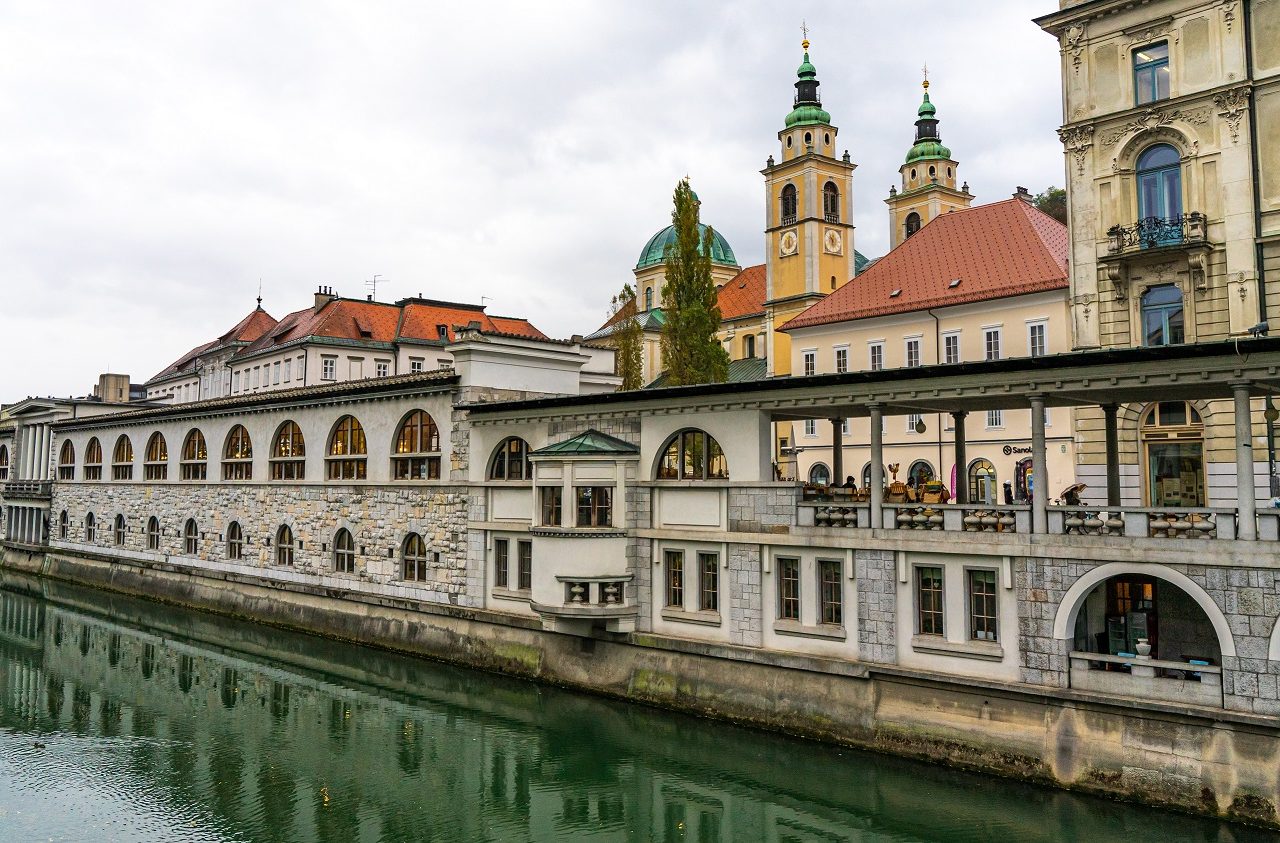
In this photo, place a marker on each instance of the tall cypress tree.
(690, 351)
(627, 338)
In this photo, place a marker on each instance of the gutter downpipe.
(1259, 256)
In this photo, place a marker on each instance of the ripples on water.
(179, 726)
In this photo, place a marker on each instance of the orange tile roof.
(1003, 249)
(743, 295)
(247, 330)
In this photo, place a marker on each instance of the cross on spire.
(926, 75)
(804, 30)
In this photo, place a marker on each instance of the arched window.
(346, 460)
(1162, 316)
(191, 537)
(195, 456)
(237, 455)
(919, 473)
(788, 204)
(511, 461)
(4, 462)
(93, 460)
(913, 223)
(866, 477)
(64, 525)
(153, 533)
(120, 530)
(66, 461)
(1159, 173)
(122, 459)
(648, 298)
(416, 563)
(288, 453)
(90, 528)
(1172, 434)
(156, 465)
(831, 202)
(749, 346)
(982, 482)
(344, 552)
(692, 455)
(235, 541)
(417, 454)
(284, 545)
(819, 475)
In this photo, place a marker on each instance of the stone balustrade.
(1147, 678)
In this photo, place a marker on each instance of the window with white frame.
(382, 368)
(995, 418)
(842, 360)
(288, 370)
(913, 352)
(415, 364)
(810, 427)
(991, 339)
(875, 353)
(810, 362)
(1036, 339)
(328, 368)
(951, 348)
(913, 419)
(257, 371)
(983, 622)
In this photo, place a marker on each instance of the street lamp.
(920, 425)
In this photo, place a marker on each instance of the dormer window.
(442, 331)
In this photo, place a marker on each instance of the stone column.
(1113, 454)
(1039, 468)
(877, 467)
(960, 494)
(837, 452)
(1246, 505)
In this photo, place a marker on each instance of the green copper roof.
(808, 115)
(588, 442)
(859, 261)
(808, 109)
(926, 107)
(655, 250)
(740, 371)
(928, 150)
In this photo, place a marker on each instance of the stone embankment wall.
(1217, 763)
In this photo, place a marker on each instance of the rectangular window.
(929, 601)
(951, 348)
(382, 368)
(995, 418)
(991, 337)
(912, 420)
(1036, 339)
(842, 360)
(913, 353)
(709, 582)
(810, 427)
(830, 592)
(501, 561)
(844, 427)
(235, 382)
(595, 506)
(415, 364)
(875, 351)
(810, 362)
(328, 368)
(982, 605)
(1151, 73)
(524, 550)
(551, 505)
(275, 373)
(675, 578)
(288, 370)
(789, 589)
(355, 368)
(257, 371)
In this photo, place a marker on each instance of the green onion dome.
(654, 251)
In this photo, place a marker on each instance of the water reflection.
(124, 720)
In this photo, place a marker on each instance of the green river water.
(126, 720)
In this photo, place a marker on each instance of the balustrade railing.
(586, 593)
(1086, 521)
(1151, 232)
(28, 489)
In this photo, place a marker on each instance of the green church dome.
(928, 150)
(655, 250)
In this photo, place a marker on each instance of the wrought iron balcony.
(1155, 232)
(832, 217)
(28, 489)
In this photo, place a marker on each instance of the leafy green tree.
(627, 338)
(1053, 202)
(690, 351)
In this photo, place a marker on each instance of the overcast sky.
(157, 160)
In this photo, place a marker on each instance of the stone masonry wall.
(379, 518)
(876, 575)
(626, 429)
(754, 509)
(745, 597)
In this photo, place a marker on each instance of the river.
(124, 720)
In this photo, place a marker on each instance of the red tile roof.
(1003, 249)
(743, 295)
(247, 330)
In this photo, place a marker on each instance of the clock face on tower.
(789, 243)
(832, 242)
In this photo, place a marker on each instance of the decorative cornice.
(1154, 118)
(1077, 140)
(1073, 44)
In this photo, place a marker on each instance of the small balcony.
(1158, 232)
(590, 601)
(31, 490)
(1194, 681)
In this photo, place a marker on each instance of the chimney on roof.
(1022, 193)
(324, 295)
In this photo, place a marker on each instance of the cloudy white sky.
(158, 159)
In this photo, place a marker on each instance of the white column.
(1246, 505)
(1039, 468)
(877, 468)
(42, 457)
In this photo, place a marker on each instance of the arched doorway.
(982, 482)
(819, 475)
(1024, 483)
(1172, 435)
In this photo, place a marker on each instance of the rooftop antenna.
(372, 284)
(484, 299)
